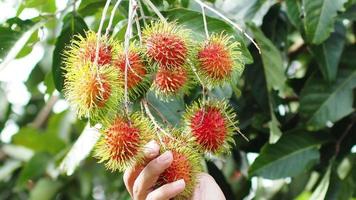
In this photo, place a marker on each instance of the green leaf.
(45, 189)
(272, 61)
(322, 103)
(340, 189)
(319, 18)
(329, 52)
(294, 13)
(72, 25)
(320, 192)
(171, 111)
(37, 141)
(275, 132)
(194, 21)
(290, 156)
(34, 169)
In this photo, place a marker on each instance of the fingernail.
(165, 157)
(180, 184)
(151, 148)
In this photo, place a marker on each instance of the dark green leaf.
(329, 52)
(45, 189)
(72, 25)
(320, 17)
(290, 156)
(294, 13)
(220, 180)
(322, 103)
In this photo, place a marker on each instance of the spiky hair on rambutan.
(219, 60)
(83, 50)
(167, 44)
(137, 72)
(186, 164)
(122, 142)
(212, 123)
(95, 92)
(169, 83)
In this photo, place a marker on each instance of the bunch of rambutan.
(169, 63)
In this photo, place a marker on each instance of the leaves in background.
(290, 156)
(322, 103)
(72, 25)
(319, 18)
(328, 53)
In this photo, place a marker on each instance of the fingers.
(149, 175)
(151, 150)
(167, 191)
(207, 189)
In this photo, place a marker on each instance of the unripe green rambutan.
(219, 60)
(167, 44)
(169, 83)
(83, 50)
(212, 124)
(137, 80)
(186, 163)
(121, 145)
(95, 92)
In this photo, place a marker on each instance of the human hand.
(140, 181)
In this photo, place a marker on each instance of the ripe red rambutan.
(83, 50)
(122, 143)
(167, 44)
(219, 60)
(95, 92)
(137, 80)
(172, 82)
(212, 124)
(186, 163)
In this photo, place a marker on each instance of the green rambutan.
(167, 44)
(219, 60)
(95, 92)
(121, 145)
(212, 124)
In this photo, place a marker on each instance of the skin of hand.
(140, 180)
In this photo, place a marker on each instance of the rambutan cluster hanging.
(169, 63)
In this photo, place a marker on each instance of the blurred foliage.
(295, 100)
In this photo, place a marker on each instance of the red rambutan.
(212, 124)
(122, 143)
(172, 82)
(167, 44)
(218, 59)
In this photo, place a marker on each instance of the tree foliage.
(295, 100)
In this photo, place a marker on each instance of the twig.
(205, 23)
(229, 21)
(44, 113)
(113, 11)
(155, 10)
(142, 13)
(236, 128)
(138, 27)
(149, 114)
(159, 113)
(344, 134)
(103, 15)
(199, 79)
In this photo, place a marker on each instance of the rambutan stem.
(236, 128)
(103, 15)
(149, 114)
(199, 79)
(142, 13)
(112, 15)
(230, 22)
(205, 23)
(138, 27)
(155, 10)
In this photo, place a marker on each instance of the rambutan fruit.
(137, 79)
(218, 60)
(212, 124)
(121, 145)
(186, 163)
(83, 50)
(95, 92)
(167, 44)
(172, 82)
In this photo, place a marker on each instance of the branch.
(155, 10)
(113, 11)
(229, 21)
(44, 113)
